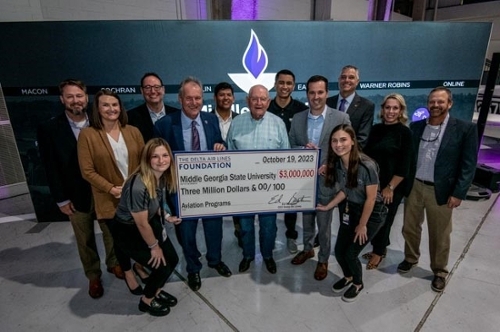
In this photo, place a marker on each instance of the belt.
(429, 183)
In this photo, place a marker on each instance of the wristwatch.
(390, 186)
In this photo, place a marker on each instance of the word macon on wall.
(246, 182)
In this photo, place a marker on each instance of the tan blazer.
(98, 165)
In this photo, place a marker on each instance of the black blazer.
(57, 146)
(139, 117)
(361, 112)
(456, 159)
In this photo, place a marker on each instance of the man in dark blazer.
(178, 130)
(144, 116)
(360, 110)
(57, 140)
(224, 99)
(446, 157)
(311, 129)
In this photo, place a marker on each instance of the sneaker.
(340, 285)
(438, 284)
(352, 293)
(291, 244)
(405, 266)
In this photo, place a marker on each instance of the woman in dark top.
(138, 227)
(389, 144)
(354, 175)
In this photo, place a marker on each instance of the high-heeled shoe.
(371, 266)
(136, 271)
(137, 291)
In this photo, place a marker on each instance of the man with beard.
(284, 106)
(445, 165)
(57, 141)
(144, 116)
(360, 109)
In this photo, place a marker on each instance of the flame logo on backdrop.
(255, 62)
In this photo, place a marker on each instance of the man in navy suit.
(57, 143)
(144, 116)
(192, 130)
(444, 169)
(360, 109)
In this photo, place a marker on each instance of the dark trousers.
(129, 240)
(290, 221)
(381, 240)
(346, 250)
(212, 228)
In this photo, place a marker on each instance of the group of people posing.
(98, 166)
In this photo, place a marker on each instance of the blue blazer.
(455, 161)
(170, 129)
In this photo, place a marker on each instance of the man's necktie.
(195, 139)
(342, 105)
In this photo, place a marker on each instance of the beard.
(76, 109)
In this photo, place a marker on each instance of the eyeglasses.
(148, 88)
(430, 140)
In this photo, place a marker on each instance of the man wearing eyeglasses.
(258, 130)
(144, 116)
(445, 165)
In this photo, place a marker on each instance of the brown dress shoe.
(117, 271)
(321, 271)
(302, 256)
(95, 288)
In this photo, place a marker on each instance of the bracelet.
(153, 245)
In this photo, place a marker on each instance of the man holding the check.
(258, 130)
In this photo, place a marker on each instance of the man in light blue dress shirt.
(258, 130)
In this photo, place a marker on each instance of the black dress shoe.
(156, 308)
(270, 265)
(137, 291)
(222, 269)
(245, 264)
(166, 298)
(194, 281)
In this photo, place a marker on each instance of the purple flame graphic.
(255, 57)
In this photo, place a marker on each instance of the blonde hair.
(168, 178)
(403, 118)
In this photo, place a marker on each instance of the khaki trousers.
(422, 198)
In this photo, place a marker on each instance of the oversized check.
(244, 182)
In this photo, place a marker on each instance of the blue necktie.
(342, 105)
(195, 139)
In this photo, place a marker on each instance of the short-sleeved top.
(286, 113)
(138, 201)
(367, 175)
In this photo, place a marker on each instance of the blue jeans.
(212, 228)
(267, 235)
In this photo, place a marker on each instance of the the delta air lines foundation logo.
(255, 63)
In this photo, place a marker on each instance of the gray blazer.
(298, 130)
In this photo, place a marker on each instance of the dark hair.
(150, 74)
(223, 86)
(442, 88)
(73, 82)
(317, 78)
(284, 72)
(96, 121)
(356, 157)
